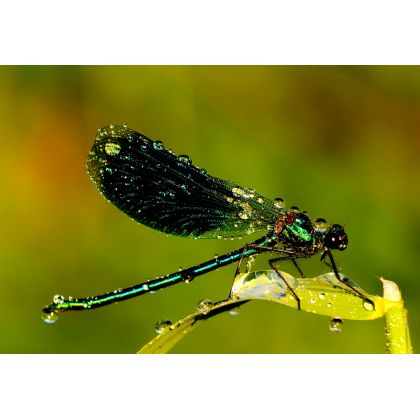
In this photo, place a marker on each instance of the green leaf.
(164, 342)
(320, 295)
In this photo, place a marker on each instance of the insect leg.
(274, 260)
(258, 248)
(324, 254)
(337, 275)
(271, 262)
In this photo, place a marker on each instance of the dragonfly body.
(168, 193)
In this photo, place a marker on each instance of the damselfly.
(168, 193)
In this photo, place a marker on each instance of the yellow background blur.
(340, 142)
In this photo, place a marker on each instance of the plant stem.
(396, 325)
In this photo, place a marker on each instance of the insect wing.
(168, 193)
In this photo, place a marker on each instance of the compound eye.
(342, 246)
(336, 238)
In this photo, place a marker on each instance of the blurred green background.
(339, 142)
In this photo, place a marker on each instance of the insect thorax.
(296, 232)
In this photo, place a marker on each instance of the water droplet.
(368, 305)
(250, 230)
(219, 236)
(161, 325)
(49, 317)
(336, 325)
(203, 172)
(234, 311)
(57, 299)
(158, 145)
(204, 305)
(109, 170)
(295, 209)
(112, 149)
(237, 192)
(243, 215)
(249, 263)
(146, 287)
(184, 159)
(188, 278)
(320, 224)
(321, 295)
(125, 125)
(260, 200)
(216, 256)
(312, 300)
(329, 305)
(279, 203)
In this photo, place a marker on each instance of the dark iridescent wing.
(168, 193)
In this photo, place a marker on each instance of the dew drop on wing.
(158, 145)
(279, 203)
(184, 159)
(112, 149)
